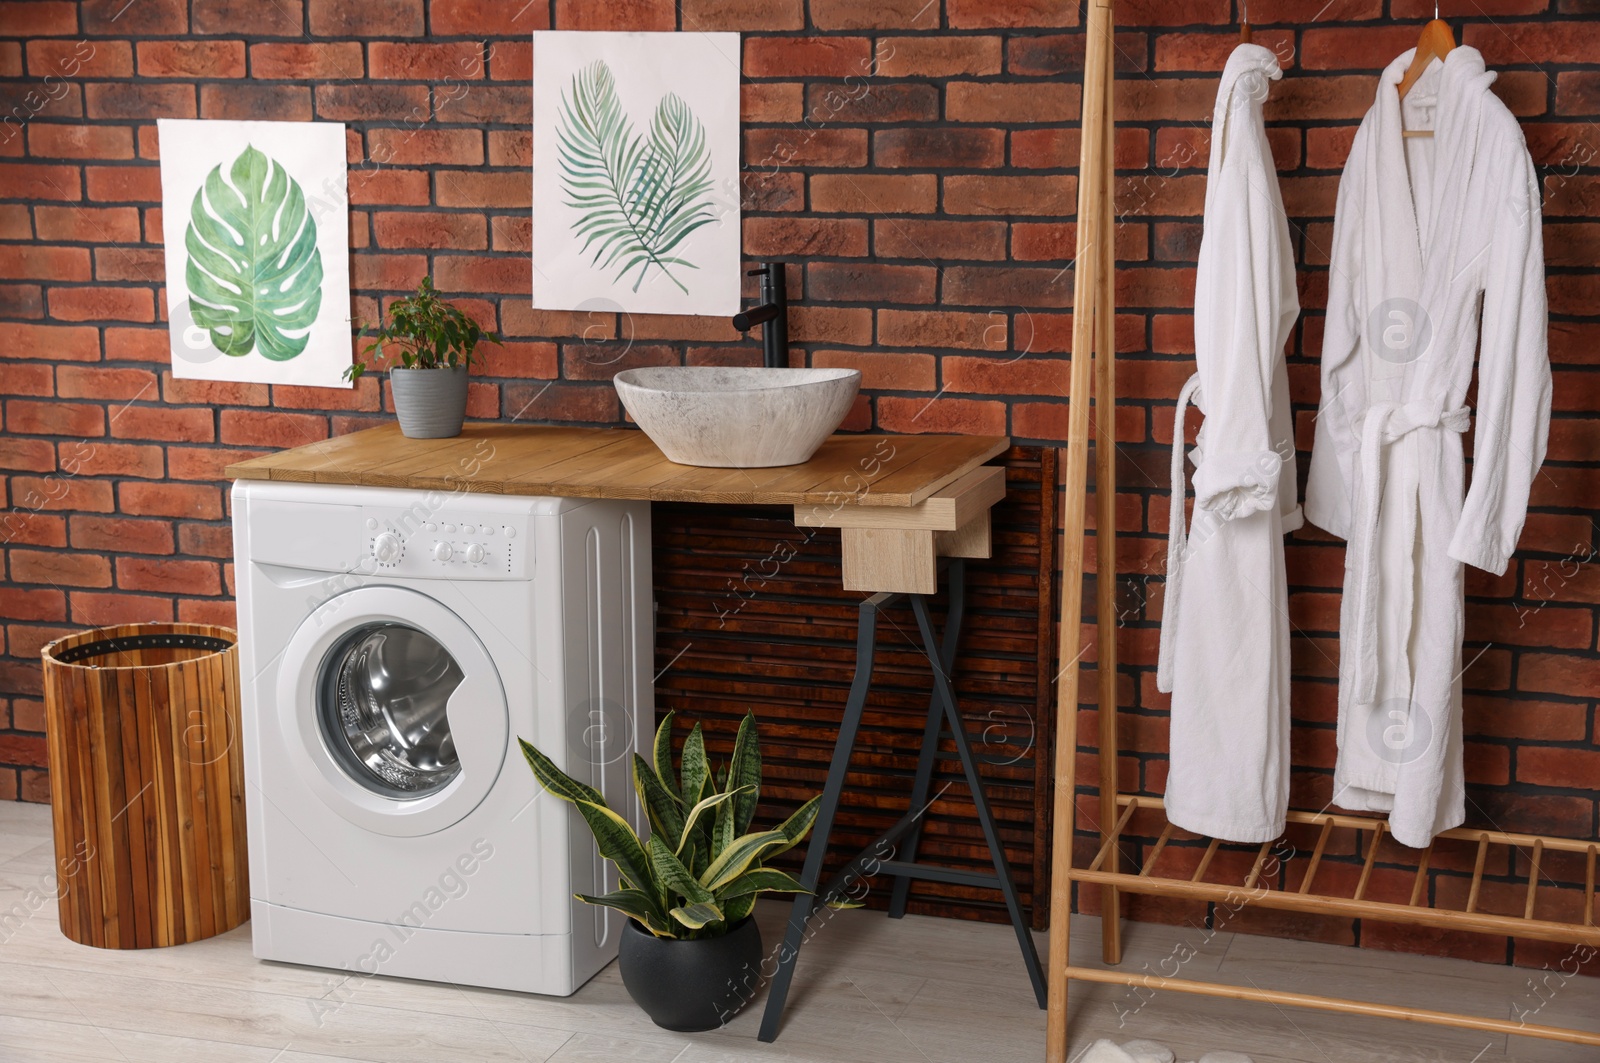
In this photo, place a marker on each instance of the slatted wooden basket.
(147, 784)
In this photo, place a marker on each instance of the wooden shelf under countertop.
(901, 501)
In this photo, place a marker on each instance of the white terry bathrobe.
(1422, 230)
(1225, 627)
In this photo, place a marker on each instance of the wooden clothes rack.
(1093, 366)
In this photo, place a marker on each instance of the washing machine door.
(393, 711)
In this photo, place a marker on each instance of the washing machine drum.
(385, 690)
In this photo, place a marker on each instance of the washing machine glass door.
(393, 711)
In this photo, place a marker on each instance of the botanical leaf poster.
(636, 172)
(255, 219)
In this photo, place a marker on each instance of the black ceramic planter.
(691, 985)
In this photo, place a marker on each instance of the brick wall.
(913, 159)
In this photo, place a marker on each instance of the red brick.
(771, 102)
(61, 569)
(138, 184)
(55, 418)
(25, 378)
(256, 102)
(191, 59)
(206, 540)
(578, 403)
(504, 103)
(491, 18)
(515, 359)
(163, 423)
(31, 528)
(936, 148)
(1039, 420)
(168, 576)
(363, 18)
(805, 237)
(27, 455)
(985, 101)
(824, 57)
(40, 181)
(412, 61)
(373, 103)
(511, 60)
(373, 272)
(874, 194)
(143, 102)
(117, 18)
(602, 361)
(19, 604)
(113, 459)
(23, 749)
(121, 534)
(871, 104)
(303, 61)
(961, 416)
(866, 282)
(205, 463)
(934, 57)
(830, 324)
(87, 224)
(767, 191)
(412, 147)
(991, 194)
(883, 370)
(1007, 375)
(15, 223)
(269, 428)
(701, 16)
(880, 14)
(99, 609)
(616, 15)
(1019, 286)
(101, 382)
(388, 187)
(942, 328)
(40, 19)
(218, 611)
(102, 303)
(195, 501)
(939, 240)
(250, 18)
(66, 343)
(483, 274)
(510, 147)
(808, 147)
(1029, 14)
(464, 188)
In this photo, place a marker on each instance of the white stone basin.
(734, 417)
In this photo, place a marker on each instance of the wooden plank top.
(866, 470)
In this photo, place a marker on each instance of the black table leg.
(943, 713)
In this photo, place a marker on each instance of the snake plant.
(701, 868)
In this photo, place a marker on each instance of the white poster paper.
(255, 218)
(636, 172)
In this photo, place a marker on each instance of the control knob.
(474, 552)
(442, 552)
(387, 548)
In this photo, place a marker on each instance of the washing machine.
(393, 646)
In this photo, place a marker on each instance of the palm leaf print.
(639, 197)
(254, 271)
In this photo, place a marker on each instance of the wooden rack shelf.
(1093, 367)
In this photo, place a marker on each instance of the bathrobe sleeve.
(1330, 487)
(1235, 323)
(1513, 416)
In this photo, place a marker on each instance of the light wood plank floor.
(869, 989)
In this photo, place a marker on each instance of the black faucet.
(772, 315)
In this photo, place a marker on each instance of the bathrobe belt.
(1386, 423)
(1177, 540)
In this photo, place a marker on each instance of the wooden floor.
(868, 989)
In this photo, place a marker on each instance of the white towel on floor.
(1148, 1052)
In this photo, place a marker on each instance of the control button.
(511, 533)
(475, 553)
(469, 529)
(442, 552)
(372, 523)
(387, 548)
(448, 528)
(487, 529)
(430, 526)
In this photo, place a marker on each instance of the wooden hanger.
(1245, 33)
(1436, 41)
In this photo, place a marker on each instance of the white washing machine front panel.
(543, 633)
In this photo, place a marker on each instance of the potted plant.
(690, 948)
(435, 343)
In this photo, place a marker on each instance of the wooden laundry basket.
(147, 784)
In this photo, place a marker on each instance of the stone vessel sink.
(731, 417)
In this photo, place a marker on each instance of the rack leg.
(930, 734)
(817, 849)
(991, 834)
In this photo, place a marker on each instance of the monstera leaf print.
(254, 272)
(638, 197)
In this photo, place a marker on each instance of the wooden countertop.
(865, 470)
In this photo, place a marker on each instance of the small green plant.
(424, 332)
(700, 871)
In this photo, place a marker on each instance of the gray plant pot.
(430, 403)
